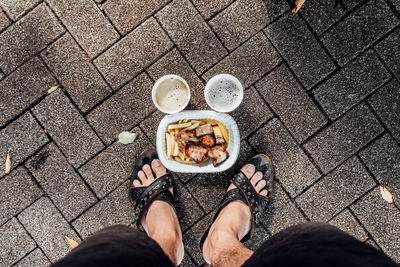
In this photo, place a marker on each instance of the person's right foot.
(234, 218)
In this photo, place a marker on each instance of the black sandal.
(142, 197)
(247, 193)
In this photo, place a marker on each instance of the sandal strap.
(253, 199)
(158, 188)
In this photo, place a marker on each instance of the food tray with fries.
(198, 141)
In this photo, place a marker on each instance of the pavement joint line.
(29, 234)
(393, 8)
(23, 14)
(340, 164)
(313, 33)
(100, 7)
(122, 36)
(384, 64)
(33, 55)
(216, 13)
(62, 152)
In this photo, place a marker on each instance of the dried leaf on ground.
(126, 137)
(8, 162)
(52, 89)
(71, 242)
(298, 5)
(386, 195)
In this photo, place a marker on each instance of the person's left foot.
(160, 220)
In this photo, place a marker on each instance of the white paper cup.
(223, 93)
(156, 86)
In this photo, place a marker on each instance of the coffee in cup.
(171, 93)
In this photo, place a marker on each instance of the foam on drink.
(171, 94)
(223, 94)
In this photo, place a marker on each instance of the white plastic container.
(207, 167)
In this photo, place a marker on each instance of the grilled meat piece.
(182, 139)
(197, 153)
(207, 140)
(204, 129)
(218, 154)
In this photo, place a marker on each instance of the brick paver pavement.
(322, 98)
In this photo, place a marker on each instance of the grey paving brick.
(353, 83)
(192, 237)
(292, 167)
(28, 36)
(86, 23)
(68, 128)
(389, 50)
(116, 208)
(187, 209)
(191, 34)
(74, 70)
(23, 136)
(60, 182)
(350, 4)
(251, 113)
(359, 30)
(345, 221)
(187, 261)
(14, 241)
(4, 21)
(301, 50)
(322, 14)
(249, 62)
(382, 158)
(124, 109)
(382, 221)
(336, 191)
(396, 4)
(35, 258)
(15, 9)
(345, 136)
(208, 8)
(48, 228)
(386, 104)
(2, 75)
(113, 166)
(174, 63)
(292, 104)
(150, 125)
(17, 192)
(17, 91)
(127, 14)
(281, 213)
(133, 53)
(209, 189)
(242, 19)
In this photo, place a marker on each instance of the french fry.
(181, 155)
(189, 161)
(175, 148)
(179, 126)
(194, 126)
(169, 148)
(194, 139)
(199, 122)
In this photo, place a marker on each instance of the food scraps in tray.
(197, 141)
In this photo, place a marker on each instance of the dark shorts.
(310, 244)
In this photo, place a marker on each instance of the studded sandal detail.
(143, 196)
(246, 193)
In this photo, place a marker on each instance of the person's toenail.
(157, 163)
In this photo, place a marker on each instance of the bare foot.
(160, 220)
(233, 222)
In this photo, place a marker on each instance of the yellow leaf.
(45, 131)
(8, 163)
(386, 195)
(71, 242)
(298, 5)
(52, 89)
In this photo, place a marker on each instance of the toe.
(136, 183)
(158, 168)
(264, 193)
(149, 174)
(260, 185)
(256, 177)
(248, 170)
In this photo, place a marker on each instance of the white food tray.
(207, 167)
